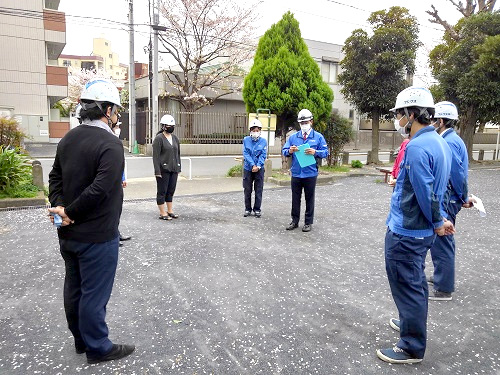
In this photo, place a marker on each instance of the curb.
(326, 179)
(8, 203)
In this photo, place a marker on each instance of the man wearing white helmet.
(167, 166)
(85, 189)
(414, 219)
(304, 178)
(254, 157)
(443, 249)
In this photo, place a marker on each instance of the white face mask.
(117, 132)
(255, 135)
(305, 128)
(399, 129)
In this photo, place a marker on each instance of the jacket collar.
(447, 132)
(425, 129)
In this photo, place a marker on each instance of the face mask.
(117, 132)
(305, 128)
(169, 129)
(255, 135)
(399, 129)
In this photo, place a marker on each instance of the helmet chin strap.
(110, 122)
(410, 122)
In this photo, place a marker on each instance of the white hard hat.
(101, 90)
(304, 115)
(254, 123)
(167, 120)
(414, 96)
(446, 110)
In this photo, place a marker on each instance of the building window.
(329, 71)
(88, 65)
(105, 43)
(111, 67)
(351, 114)
(110, 55)
(66, 62)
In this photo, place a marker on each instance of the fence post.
(391, 156)
(345, 157)
(37, 172)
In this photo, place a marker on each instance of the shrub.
(10, 132)
(25, 190)
(14, 169)
(235, 171)
(356, 164)
(337, 134)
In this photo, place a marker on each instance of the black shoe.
(117, 352)
(292, 226)
(307, 228)
(120, 245)
(436, 295)
(80, 348)
(125, 238)
(247, 213)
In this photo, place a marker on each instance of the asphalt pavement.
(216, 293)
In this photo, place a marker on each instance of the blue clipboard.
(304, 159)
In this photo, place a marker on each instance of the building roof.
(76, 57)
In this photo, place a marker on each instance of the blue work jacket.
(316, 141)
(254, 152)
(416, 202)
(458, 187)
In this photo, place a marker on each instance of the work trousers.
(165, 187)
(90, 273)
(309, 186)
(443, 255)
(405, 264)
(253, 181)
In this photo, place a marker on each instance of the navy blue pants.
(405, 264)
(165, 187)
(90, 273)
(253, 181)
(443, 255)
(309, 186)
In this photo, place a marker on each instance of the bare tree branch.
(208, 44)
(468, 10)
(447, 27)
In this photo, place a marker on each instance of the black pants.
(253, 180)
(309, 186)
(165, 187)
(90, 273)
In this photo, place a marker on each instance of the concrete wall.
(220, 149)
(23, 66)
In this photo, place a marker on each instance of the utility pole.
(131, 80)
(156, 19)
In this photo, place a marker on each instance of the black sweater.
(166, 156)
(86, 179)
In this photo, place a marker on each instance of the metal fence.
(193, 127)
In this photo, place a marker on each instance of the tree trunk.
(281, 125)
(467, 128)
(189, 121)
(373, 155)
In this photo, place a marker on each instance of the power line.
(347, 5)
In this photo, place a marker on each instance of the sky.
(323, 20)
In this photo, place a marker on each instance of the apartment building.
(32, 36)
(101, 58)
(328, 57)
